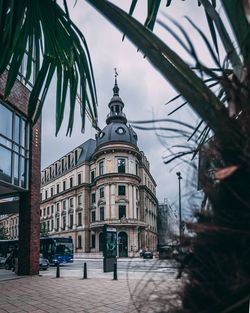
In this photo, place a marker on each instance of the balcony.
(118, 222)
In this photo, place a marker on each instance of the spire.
(116, 88)
(116, 105)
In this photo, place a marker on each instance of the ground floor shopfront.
(129, 240)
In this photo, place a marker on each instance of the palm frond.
(42, 32)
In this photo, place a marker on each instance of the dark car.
(148, 255)
(43, 263)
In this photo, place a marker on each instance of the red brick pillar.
(29, 210)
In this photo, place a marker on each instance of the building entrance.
(123, 244)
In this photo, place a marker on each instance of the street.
(126, 268)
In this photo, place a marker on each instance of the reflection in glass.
(23, 133)
(16, 170)
(17, 129)
(23, 172)
(5, 164)
(5, 122)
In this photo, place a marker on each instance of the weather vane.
(116, 74)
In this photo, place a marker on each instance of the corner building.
(103, 181)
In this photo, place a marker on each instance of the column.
(107, 213)
(29, 210)
(112, 204)
(130, 199)
(74, 211)
(134, 194)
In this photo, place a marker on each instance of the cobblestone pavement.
(40, 294)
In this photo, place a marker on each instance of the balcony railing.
(119, 222)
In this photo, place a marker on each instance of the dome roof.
(116, 129)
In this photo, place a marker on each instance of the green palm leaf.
(42, 31)
(173, 68)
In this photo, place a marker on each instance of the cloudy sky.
(142, 89)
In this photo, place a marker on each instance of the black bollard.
(115, 271)
(85, 271)
(57, 270)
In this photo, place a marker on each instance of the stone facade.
(103, 181)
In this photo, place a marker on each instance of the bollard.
(57, 270)
(85, 271)
(115, 271)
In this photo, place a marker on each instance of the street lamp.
(180, 227)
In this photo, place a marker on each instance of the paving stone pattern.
(36, 294)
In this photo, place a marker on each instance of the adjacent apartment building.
(102, 181)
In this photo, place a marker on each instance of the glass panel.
(5, 142)
(5, 122)
(5, 164)
(23, 133)
(16, 170)
(23, 172)
(17, 129)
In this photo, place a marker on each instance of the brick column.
(29, 210)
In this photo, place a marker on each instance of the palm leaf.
(173, 68)
(237, 18)
(43, 31)
(225, 38)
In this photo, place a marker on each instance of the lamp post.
(180, 222)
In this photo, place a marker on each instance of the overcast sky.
(142, 89)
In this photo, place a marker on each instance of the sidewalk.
(40, 294)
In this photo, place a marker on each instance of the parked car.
(43, 263)
(148, 255)
(2, 261)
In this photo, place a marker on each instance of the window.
(57, 188)
(79, 179)
(79, 219)
(71, 221)
(57, 223)
(92, 176)
(51, 192)
(71, 182)
(64, 205)
(46, 194)
(57, 207)
(93, 198)
(121, 165)
(52, 209)
(93, 241)
(136, 169)
(71, 202)
(14, 148)
(69, 161)
(48, 210)
(56, 168)
(121, 190)
(79, 241)
(122, 211)
(64, 185)
(64, 222)
(102, 192)
(102, 214)
(101, 168)
(93, 216)
(41, 212)
(44, 211)
(52, 225)
(63, 165)
(79, 200)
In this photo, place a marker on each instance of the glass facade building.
(14, 147)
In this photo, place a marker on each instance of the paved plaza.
(44, 293)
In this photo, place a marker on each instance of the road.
(126, 269)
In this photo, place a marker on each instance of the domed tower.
(115, 181)
(116, 129)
